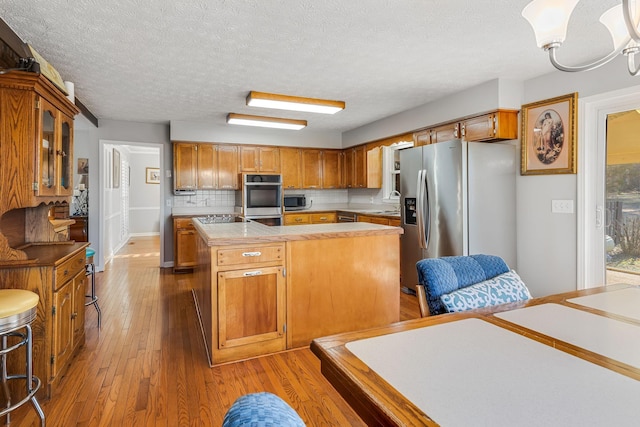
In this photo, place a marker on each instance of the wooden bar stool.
(90, 270)
(17, 310)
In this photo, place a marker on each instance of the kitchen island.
(261, 289)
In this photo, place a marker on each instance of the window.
(391, 170)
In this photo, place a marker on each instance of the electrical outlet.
(562, 206)
(168, 203)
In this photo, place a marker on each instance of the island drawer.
(250, 255)
(68, 269)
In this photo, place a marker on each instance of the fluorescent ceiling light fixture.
(295, 103)
(265, 122)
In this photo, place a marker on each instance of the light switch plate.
(562, 206)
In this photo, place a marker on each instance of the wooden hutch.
(36, 178)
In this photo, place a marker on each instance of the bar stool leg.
(91, 270)
(3, 375)
(34, 400)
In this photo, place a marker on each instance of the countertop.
(254, 232)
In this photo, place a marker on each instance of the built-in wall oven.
(261, 198)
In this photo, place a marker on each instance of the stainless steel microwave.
(293, 202)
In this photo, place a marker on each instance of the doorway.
(130, 195)
(593, 113)
(622, 203)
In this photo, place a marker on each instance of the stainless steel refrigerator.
(457, 198)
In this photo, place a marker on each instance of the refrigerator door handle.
(427, 210)
(420, 198)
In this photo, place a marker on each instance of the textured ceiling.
(161, 60)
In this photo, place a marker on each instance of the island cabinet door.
(251, 307)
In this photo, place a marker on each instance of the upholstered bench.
(261, 410)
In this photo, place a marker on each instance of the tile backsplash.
(205, 198)
(227, 198)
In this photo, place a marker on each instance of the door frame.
(591, 180)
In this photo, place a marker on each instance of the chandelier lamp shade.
(294, 103)
(550, 19)
(266, 122)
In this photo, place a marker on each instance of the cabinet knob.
(74, 315)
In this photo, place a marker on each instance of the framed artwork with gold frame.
(549, 136)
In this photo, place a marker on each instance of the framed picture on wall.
(153, 176)
(83, 166)
(116, 168)
(549, 136)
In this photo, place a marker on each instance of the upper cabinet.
(311, 168)
(259, 159)
(36, 122)
(332, 165)
(499, 125)
(495, 126)
(205, 166)
(290, 167)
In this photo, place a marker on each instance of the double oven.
(261, 198)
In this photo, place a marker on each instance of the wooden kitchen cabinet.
(422, 138)
(56, 272)
(332, 165)
(36, 142)
(297, 218)
(228, 173)
(311, 168)
(499, 125)
(68, 314)
(251, 307)
(259, 159)
(445, 132)
(185, 166)
(373, 219)
(360, 167)
(243, 302)
(205, 166)
(184, 244)
(349, 167)
(323, 217)
(291, 167)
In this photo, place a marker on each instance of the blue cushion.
(261, 410)
(89, 252)
(504, 288)
(447, 274)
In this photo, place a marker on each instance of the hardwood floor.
(147, 366)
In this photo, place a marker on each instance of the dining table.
(569, 359)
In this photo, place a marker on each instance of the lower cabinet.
(393, 222)
(310, 218)
(56, 272)
(241, 295)
(68, 326)
(184, 244)
(248, 307)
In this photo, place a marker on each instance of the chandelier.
(550, 18)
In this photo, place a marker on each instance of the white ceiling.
(196, 60)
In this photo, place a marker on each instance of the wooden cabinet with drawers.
(56, 272)
(310, 218)
(243, 302)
